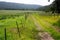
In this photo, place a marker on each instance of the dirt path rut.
(42, 34)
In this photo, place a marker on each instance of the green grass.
(57, 23)
(26, 25)
(45, 21)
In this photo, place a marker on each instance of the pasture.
(26, 25)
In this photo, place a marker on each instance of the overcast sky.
(38, 2)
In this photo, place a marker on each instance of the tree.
(56, 6)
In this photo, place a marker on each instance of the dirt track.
(43, 35)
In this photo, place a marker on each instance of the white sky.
(38, 2)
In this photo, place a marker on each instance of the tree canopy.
(56, 6)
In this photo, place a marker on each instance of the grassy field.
(19, 25)
(47, 24)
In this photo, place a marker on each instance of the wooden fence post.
(18, 29)
(5, 34)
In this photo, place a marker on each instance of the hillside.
(10, 5)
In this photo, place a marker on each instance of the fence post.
(5, 34)
(18, 29)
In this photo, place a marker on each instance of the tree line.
(54, 7)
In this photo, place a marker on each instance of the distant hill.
(10, 5)
(46, 8)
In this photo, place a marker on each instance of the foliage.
(57, 23)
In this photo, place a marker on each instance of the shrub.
(57, 23)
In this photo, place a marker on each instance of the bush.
(57, 23)
(2, 17)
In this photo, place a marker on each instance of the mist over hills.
(10, 5)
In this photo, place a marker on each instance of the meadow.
(22, 25)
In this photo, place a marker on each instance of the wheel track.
(42, 34)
